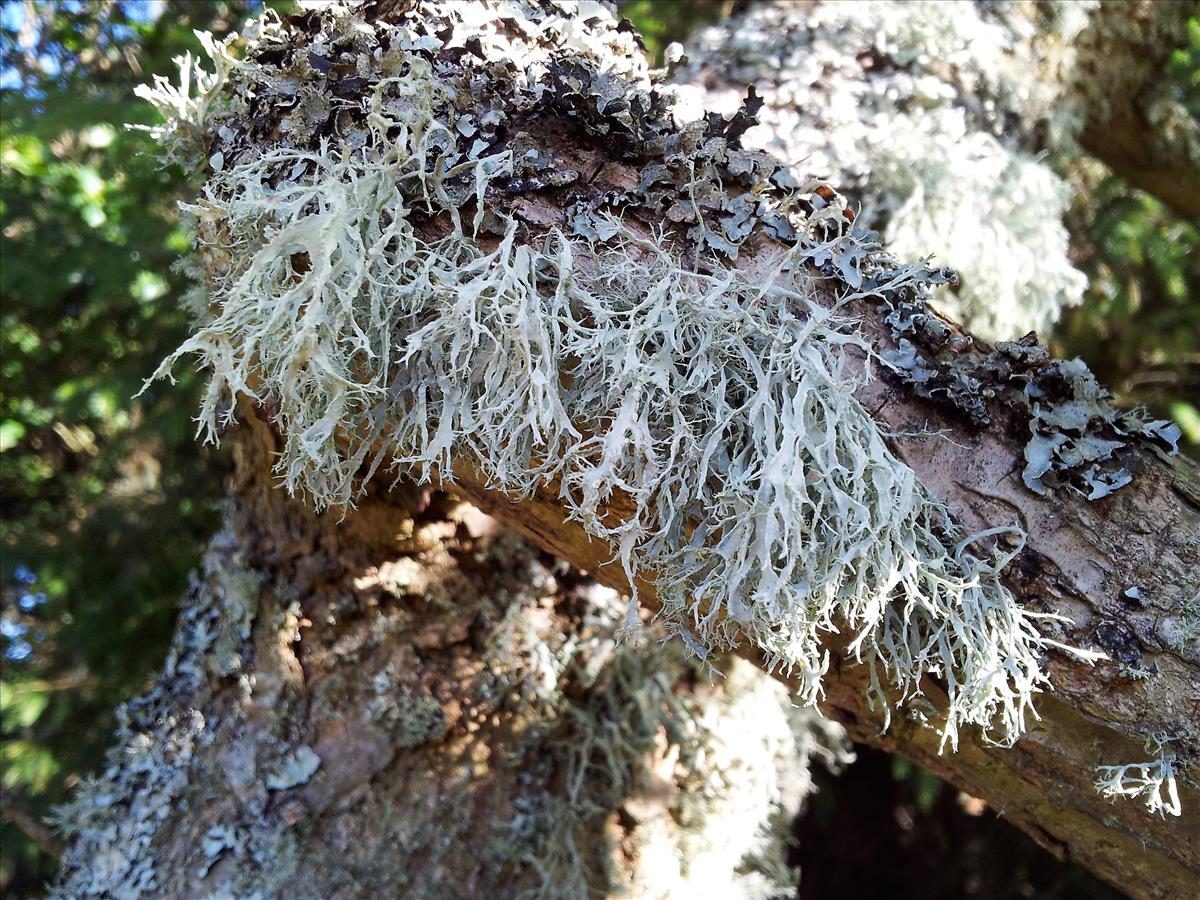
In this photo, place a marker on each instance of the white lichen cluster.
(763, 502)
(1181, 630)
(743, 771)
(1153, 782)
(908, 106)
(707, 781)
(741, 794)
(113, 848)
(186, 107)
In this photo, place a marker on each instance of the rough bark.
(410, 701)
(300, 734)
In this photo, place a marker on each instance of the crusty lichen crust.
(369, 283)
(612, 768)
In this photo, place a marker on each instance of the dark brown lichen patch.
(1118, 641)
(1076, 437)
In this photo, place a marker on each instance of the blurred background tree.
(106, 500)
(1139, 326)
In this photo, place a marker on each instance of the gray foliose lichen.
(933, 118)
(1074, 436)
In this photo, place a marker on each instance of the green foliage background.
(106, 500)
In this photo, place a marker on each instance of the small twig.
(33, 827)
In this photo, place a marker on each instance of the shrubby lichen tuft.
(913, 109)
(370, 286)
(1151, 782)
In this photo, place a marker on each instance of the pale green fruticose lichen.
(1151, 782)
(1181, 632)
(187, 107)
(766, 505)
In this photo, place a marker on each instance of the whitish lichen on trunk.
(765, 504)
(413, 703)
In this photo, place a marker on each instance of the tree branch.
(1045, 783)
(462, 293)
(38, 832)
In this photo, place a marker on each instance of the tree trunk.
(1133, 118)
(412, 702)
(403, 700)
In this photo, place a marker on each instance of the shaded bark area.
(410, 701)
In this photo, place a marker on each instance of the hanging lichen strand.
(370, 284)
